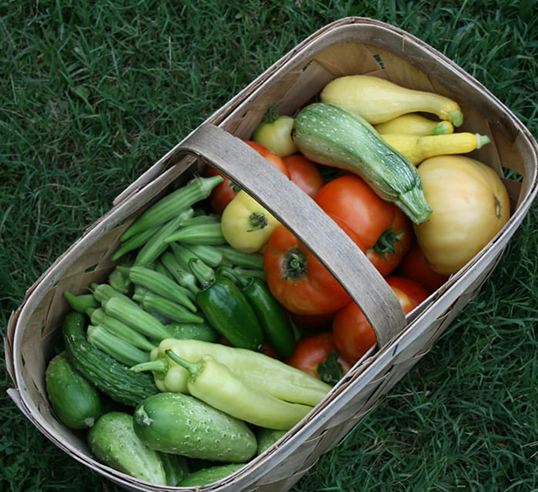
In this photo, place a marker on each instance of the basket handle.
(297, 211)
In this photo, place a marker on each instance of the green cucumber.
(100, 369)
(193, 331)
(210, 475)
(181, 424)
(74, 400)
(335, 137)
(175, 467)
(113, 441)
(267, 437)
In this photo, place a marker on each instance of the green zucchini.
(181, 424)
(335, 137)
(100, 369)
(210, 475)
(113, 442)
(74, 400)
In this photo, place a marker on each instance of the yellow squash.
(469, 204)
(246, 225)
(417, 148)
(379, 100)
(415, 124)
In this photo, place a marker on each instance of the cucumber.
(267, 437)
(113, 442)
(334, 137)
(210, 475)
(175, 468)
(181, 424)
(74, 400)
(103, 371)
(193, 331)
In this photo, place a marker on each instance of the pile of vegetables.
(218, 331)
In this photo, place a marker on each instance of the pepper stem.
(192, 367)
(234, 276)
(158, 365)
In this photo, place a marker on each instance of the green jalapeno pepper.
(259, 370)
(273, 318)
(214, 384)
(230, 313)
(223, 304)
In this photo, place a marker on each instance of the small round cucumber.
(113, 441)
(181, 424)
(74, 400)
(210, 475)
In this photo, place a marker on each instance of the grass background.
(92, 93)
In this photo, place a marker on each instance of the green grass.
(92, 93)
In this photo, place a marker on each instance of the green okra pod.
(181, 275)
(152, 302)
(240, 259)
(160, 284)
(82, 302)
(121, 330)
(135, 242)
(116, 347)
(173, 203)
(210, 255)
(156, 245)
(209, 234)
(130, 313)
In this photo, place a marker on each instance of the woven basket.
(348, 46)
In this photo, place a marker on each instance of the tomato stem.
(258, 221)
(295, 265)
(386, 243)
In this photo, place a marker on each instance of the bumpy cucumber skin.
(113, 441)
(181, 424)
(74, 400)
(106, 373)
(210, 475)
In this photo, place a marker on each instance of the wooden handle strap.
(298, 212)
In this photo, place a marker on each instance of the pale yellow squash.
(379, 100)
(415, 124)
(418, 148)
(469, 204)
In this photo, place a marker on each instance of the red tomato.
(273, 158)
(222, 194)
(304, 173)
(416, 292)
(414, 266)
(311, 352)
(297, 279)
(312, 321)
(225, 192)
(353, 334)
(382, 227)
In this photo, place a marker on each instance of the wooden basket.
(348, 46)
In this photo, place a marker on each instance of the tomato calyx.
(294, 265)
(387, 241)
(330, 371)
(258, 221)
